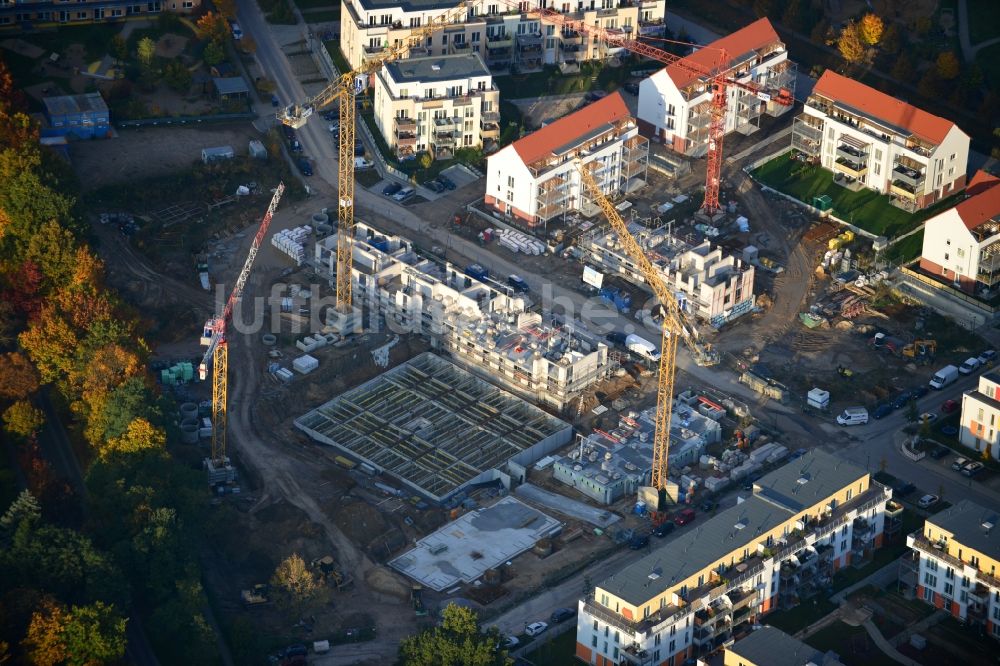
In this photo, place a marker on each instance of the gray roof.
(777, 497)
(808, 480)
(772, 647)
(965, 519)
(64, 104)
(437, 68)
(407, 5)
(231, 85)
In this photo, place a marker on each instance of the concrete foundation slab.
(566, 506)
(462, 550)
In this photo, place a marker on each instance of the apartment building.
(979, 427)
(955, 564)
(537, 178)
(437, 105)
(479, 323)
(869, 139)
(962, 244)
(711, 286)
(13, 14)
(776, 547)
(768, 646)
(504, 33)
(675, 103)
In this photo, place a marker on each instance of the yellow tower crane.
(345, 88)
(673, 330)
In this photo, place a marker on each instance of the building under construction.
(483, 323)
(436, 428)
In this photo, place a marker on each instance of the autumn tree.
(212, 27)
(23, 419)
(227, 8)
(44, 642)
(24, 508)
(870, 29)
(140, 435)
(146, 51)
(295, 584)
(851, 48)
(18, 377)
(458, 641)
(947, 66)
(80, 636)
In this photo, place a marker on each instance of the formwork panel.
(430, 424)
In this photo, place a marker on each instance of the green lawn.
(330, 16)
(560, 651)
(550, 81)
(795, 619)
(333, 48)
(907, 249)
(866, 208)
(984, 20)
(853, 644)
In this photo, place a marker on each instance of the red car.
(950, 406)
(684, 517)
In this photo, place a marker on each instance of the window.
(951, 158)
(415, 22)
(928, 594)
(670, 110)
(670, 124)
(656, 638)
(475, 37)
(949, 573)
(961, 252)
(932, 565)
(849, 493)
(949, 589)
(595, 625)
(510, 181)
(946, 256)
(929, 580)
(617, 636)
(593, 641)
(878, 154)
(672, 647)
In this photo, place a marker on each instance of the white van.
(853, 416)
(944, 376)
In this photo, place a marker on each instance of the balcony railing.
(901, 189)
(850, 168)
(912, 177)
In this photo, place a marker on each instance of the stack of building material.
(180, 373)
(292, 242)
(516, 241)
(305, 364)
(714, 483)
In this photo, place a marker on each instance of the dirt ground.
(538, 111)
(142, 153)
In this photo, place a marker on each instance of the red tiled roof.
(757, 35)
(545, 141)
(882, 107)
(984, 204)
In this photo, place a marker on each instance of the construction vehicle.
(416, 597)
(220, 472)
(719, 84)
(345, 89)
(328, 571)
(672, 331)
(259, 595)
(920, 349)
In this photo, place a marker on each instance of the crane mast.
(347, 86)
(218, 349)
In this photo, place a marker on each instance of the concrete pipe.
(269, 339)
(189, 410)
(324, 229)
(189, 433)
(320, 218)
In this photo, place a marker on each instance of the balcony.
(406, 139)
(490, 117)
(489, 130)
(570, 38)
(903, 190)
(406, 124)
(852, 154)
(499, 41)
(912, 177)
(442, 139)
(853, 169)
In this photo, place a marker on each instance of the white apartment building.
(483, 328)
(954, 564)
(504, 33)
(979, 427)
(962, 244)
(537, 177)
(437, 104)
(776, 548)
(675, 102)
(869, 139)
(711, 286)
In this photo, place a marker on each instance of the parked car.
(663, 529)
(970, 365)
(362, 163)
(882, 410)
(987, 358)
(561, 615)
(446, 181)
(511, 642)
(304, 167)
(536, 628)
(900, 400)
(359, 149)
(920, 391)
(391, 189)
(518, 284)
(684, 517)
(905, 489)
(973, 468)
(939, 452)
(639, 542)
(927, 501)
(434, 186)
(949, 406)
(616, 338)
(958, 463)
(403, 194)
(275, 102)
